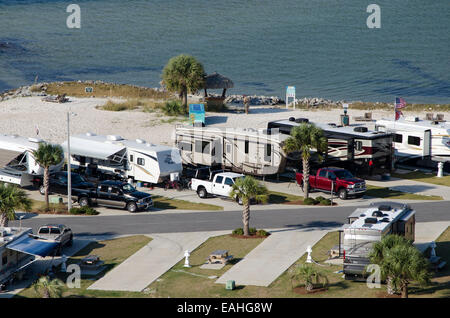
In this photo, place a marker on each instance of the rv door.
(426, 143)
(350, 149)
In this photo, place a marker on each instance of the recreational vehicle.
(352, 146)
(415, 138)
(368, 225)
(242, 150)
(18, 249)
(17, 162)
(115, 155)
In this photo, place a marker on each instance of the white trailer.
(135, 159)
(17, 162)
(243, 150)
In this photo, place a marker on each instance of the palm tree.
(381, 249)
(48, 288)
(11, 198)
(48, 155)
(183, 73)
(405, 264)
(244, 190)
(311, 276)
(303, 139)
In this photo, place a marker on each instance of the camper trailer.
(350, 146)
(18, 249)
(246, 150)
(17, 163)
(415, 138)
(117, 156)
(368, 225)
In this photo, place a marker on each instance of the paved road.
(223, 220)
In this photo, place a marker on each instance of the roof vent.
(360, 129)
(371, 221)
(140, 141)
(302, 120)
(90, 134)
(377, 214)
(362, 215)
(114, 137)
(412, 118)
(386, 220)
(332, 124)
(36, 140)
(291, 118)
(384, 208)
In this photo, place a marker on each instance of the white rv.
(415, 138)
(243, 150)
(368, 225)
(135, 159)
(17, 162)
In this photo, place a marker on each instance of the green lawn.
(112, 252)
(380, 192)
(161, 202)
(423, 177)
(282, 198)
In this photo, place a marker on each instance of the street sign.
(290, 93)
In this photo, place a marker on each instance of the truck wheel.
(131, 207)
(202, 193)
(83, 201)
(42, 189)
(343, 194)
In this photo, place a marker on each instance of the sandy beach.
(22, 115)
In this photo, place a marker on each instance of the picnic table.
(219, 257)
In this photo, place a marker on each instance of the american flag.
(399, 104)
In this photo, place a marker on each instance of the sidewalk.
(426, 232)
(272, 257)
(152, 261)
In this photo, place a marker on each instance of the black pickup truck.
(116, 194)
(58, 183)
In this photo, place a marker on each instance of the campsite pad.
(212, 266)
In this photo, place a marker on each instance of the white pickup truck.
(219, 186)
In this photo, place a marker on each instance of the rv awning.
(93, 149)
(6, 156)
(30, 245)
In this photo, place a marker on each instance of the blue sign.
(197, 113)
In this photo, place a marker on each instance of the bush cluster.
(174, 108)
(252, 231)
(83, 210)
(319, 200)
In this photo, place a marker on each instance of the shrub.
(76, 211)
(326, 202)
(238, 231)
(173, 108)
(83, 210)
(252, 231)
(320, 199)
(309, 201)
(262, 233)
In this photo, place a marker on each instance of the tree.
(48, 155)
(11, 198)
(400, 263)
(244, 190)
(311, 276)
(183, 74)
(48, 288)
(304, 139)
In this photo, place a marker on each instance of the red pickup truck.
(344, 183)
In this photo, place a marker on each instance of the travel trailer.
(352, 146)
(243, 150)
(415, 138)
(368, 225)
(17, 163)
(18, 249)
(114, 155)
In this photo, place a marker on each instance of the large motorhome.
(17, 163)
(368, 225)
(115, 155)
(415, 138)
(243, 150)
(355, 145)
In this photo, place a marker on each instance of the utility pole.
(69, 175)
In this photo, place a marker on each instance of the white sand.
(21, 116)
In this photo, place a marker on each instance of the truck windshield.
(343, 174)
(127, 188)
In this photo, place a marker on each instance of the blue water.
(323, 47)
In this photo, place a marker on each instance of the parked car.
(58, 183)
(116, 194)
(344, 184)
(56, 232)
(220, 185)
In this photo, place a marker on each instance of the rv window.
(185, 146)
(141, 161)
(246, 146)
(358, 145)
(412, 140)
(268, 152)
(219, 179)
(228, 148)
(229, 182)
(4, 258)
(398, 138)
(202, 146)
(131, 158)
